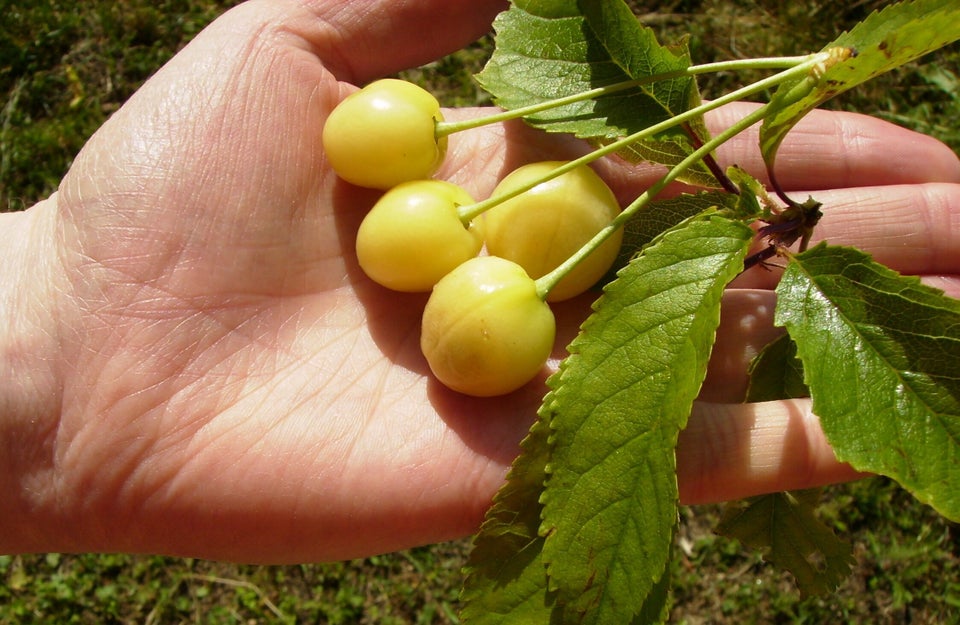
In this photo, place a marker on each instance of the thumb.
(366, 39)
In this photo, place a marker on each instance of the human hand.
(197, 366)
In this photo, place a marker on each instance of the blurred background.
(65, 66)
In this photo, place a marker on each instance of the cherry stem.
(548, 281)
(446, 128)
(469, 212)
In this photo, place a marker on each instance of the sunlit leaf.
(885, 40)
(626, 390)
(548, 49)
(880, 354)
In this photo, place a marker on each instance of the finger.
(746, 327)
(362, 40)
(732, 451)
(825, 150)
(950, 285)
(829, 149)
(914, 229)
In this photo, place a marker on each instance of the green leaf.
(548, 49)
(784, 527)
(624, 394)
(635, 49)
(898, 34)
(655, 608)
(777, 373)
(662, 215)
(505, 579)
(881, 355)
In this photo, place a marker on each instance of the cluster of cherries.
(490, 267)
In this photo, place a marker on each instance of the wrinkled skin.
(192, 362)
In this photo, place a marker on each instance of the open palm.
(230, 384)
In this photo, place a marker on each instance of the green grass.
(66, 66)
(907, 567)
(416, 586)
(64, 69)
